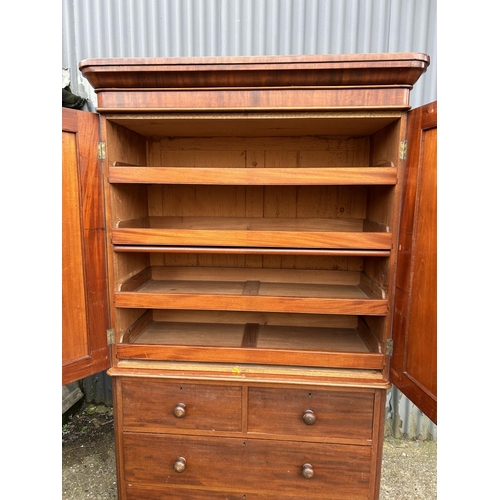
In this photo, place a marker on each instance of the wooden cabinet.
(252, 213)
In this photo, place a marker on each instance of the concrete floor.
(409, 468)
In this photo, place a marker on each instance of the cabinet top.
(341, 70)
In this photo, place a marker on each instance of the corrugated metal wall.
(175, 28)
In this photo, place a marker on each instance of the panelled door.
(414, 360)
(84, 286)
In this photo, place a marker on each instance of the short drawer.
(156, 405)
(247, 466)
(311, 413)
(162, 492)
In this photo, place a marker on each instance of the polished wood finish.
(204, 407)
(251, 232)
(248, 465)
(252, 214)
(255, 176)
(353, 81)
(84, 288)
(272, 99)
(332, 414)
(414, 363)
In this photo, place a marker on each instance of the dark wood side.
(84, 288)
(414, 362)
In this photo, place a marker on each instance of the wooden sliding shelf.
(258, 338)
(385, 175)
(253, 232)
(291, 290)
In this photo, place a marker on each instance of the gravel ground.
(409, 468)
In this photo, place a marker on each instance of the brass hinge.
(403, 149)
(101, 150)
(111, 336)
(389, 347)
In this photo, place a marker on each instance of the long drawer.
(156, 405)
(141, 492)
(311, 413)
(303, 470)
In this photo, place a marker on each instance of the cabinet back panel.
(257, 201)
(344, 263)
(336, 148)
(343, 202)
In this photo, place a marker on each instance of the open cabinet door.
(84, 288)
(414, 360)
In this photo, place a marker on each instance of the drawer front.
(141, 492)
(156, 405)
(311, 413)
(248, 466)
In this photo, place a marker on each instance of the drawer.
(248, 466)
(311, 413)
(157, 492)
(157, 405)
(152, 492)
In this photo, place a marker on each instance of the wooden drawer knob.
(307, 471)
(180, 464)
(309, 417)
(180, 410)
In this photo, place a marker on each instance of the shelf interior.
(246, 282)
(253, 330)
(264, 215)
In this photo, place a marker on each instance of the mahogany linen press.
(249, 250)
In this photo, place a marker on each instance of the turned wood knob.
(309, 417)
(180, 464)
(180, 410)
(307, 471)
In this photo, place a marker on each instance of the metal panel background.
(175, 28)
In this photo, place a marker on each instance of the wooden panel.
(74, 318)
(339, 414)
(148, 406)
(250, 465)
(254, 176)
(84, 289)
(267, 99)
(284, 357)
(414, 363)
